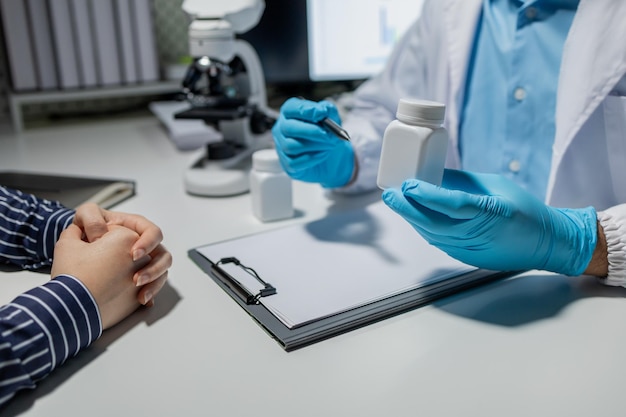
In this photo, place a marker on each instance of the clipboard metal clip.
(237, 287)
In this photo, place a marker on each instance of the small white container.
(270, 187)
(414, 145)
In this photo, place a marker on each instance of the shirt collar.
(555, 4)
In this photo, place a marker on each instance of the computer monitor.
(303, 41)
(352, 39)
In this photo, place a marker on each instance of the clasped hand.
(118, 256)
(490, 222)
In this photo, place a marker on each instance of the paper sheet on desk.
(336, 264)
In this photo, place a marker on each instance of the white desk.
(539, 344)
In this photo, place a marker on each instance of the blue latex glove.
(490, 222)
(308, 151)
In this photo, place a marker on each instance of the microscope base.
(216, 179)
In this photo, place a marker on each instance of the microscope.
(225, 87)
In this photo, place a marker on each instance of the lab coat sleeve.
(408, 73)
(613, 221)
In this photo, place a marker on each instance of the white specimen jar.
(270, 187)
(414, 145)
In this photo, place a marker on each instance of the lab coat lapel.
(461, 19)
(594, 60)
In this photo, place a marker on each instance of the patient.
(104, 265)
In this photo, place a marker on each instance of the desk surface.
(537, 344)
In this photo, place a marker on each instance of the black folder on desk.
(307, 282)
(69, 190)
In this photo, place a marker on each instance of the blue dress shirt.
(508, 118)
(41, 328)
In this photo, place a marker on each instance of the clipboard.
(300, 283)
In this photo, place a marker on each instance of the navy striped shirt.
(42, 328)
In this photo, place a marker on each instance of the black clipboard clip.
(236, 286)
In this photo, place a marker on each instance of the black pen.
(339, 131)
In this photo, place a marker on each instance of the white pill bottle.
(270, 187)
(414, 145)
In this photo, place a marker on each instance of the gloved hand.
(308, 151)
(490, 222)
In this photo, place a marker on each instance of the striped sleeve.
(41, 329)
(29, 228)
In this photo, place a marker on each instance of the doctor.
(535, 92)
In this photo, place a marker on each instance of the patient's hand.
(94, 222)
(105, 267)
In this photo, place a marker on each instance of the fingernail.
(147, 297)
(138, 254)
(143, 279)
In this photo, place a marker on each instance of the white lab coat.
(430, 62)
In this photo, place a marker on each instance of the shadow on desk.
(524, 299)
(346, 202)
(165, 302)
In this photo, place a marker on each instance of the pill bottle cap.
(419, 112)
(266, 160)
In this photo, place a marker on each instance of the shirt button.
(531, 13)
(514, 165)
(519, 94)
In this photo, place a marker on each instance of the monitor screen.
(352, 39)
(301, 41)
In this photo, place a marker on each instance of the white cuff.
(613, 221)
